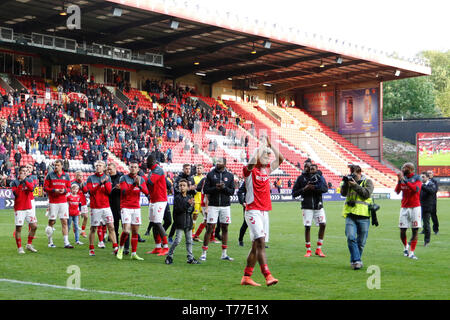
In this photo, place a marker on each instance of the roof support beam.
(189, 68)
(164, 41)
(329, 79)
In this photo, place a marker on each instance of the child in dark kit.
(183, 207)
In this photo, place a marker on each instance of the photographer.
(358, 191)
(310, 185)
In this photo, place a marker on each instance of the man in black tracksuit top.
(434, 217)
(114, 200)
(310, 185)
(219, 186)
(427, 202)
(241, 197)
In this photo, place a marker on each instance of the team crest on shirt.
(225, 179)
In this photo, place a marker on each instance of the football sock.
(205, 249)
(19, 242)
(83, 227)
(413, 245)
(134, 242)
(248, 271)
(319, 243)
(123, 239)
(30, 240)
(165, 242)
(224, 250)
(91, 247)
(200, 229)
(158, 241)
(66, 240)
(308, 246)
(405, 242)
(265, 270)
(100, 233)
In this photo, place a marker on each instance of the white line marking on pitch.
(128, 294)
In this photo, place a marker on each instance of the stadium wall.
(405, 130)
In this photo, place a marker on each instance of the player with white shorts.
(101, 217)
(221, 214)
(131, 216)
(156, 211)
(22, 188)
(258, 224)
(316, 216)
(410, 218)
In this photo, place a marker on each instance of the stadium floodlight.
(267, 84)
(230, 79)
(196, 63)
(174, 24)
(339, 60)
(397, 73)
(324, 85)
(322, 65)
(267, 44)
(201, 74)
(117, 12)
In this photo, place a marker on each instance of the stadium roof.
(220, 45)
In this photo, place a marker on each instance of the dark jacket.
(182, 211)
(427, 196)
(435, 195)
(242, 191)
(311, 199)
(219, 197)
(114, 196)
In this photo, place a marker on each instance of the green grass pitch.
(442, 159)
(299, 278)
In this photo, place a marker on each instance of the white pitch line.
(128, 294)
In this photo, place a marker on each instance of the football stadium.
(130, 128)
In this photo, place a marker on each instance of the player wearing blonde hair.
(99, 187)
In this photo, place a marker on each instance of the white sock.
(66, 240)
(308, 246)
(224, 252)
(158, 245)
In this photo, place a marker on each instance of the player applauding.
(258, 205)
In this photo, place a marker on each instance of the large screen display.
(433, 152)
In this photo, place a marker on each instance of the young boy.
(74, 200)
(182, 215)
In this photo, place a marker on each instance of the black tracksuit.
(219, 197)
(427, 202)
(312, 199)
(434, 217)
(114, 203)
(241, 197)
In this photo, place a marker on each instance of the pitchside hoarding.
(433, 152)
(358, 110)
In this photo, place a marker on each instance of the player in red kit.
(410, 212)
(258, 205)
(57, 185)
(157, 191)
(22, 188)
(99, 187)
(131, 186)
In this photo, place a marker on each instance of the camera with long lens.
(349, 177)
